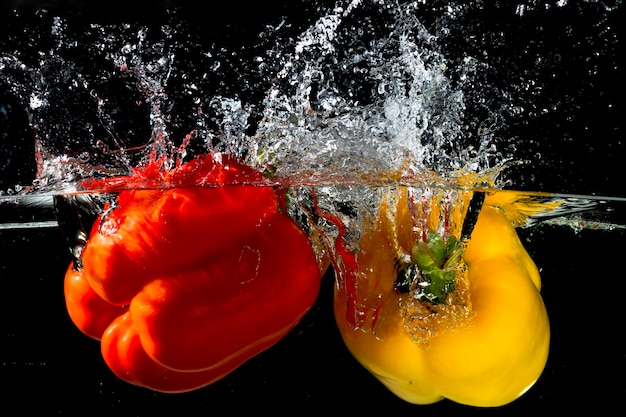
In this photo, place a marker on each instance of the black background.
(48, 366)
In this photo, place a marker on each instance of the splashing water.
(357, 103)
(350, 100)
(371, 93)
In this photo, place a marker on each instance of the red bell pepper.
(184, 284)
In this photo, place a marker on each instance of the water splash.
(365, 101)
(371, 92)
(360, 97)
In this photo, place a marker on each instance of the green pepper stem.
(432, 271)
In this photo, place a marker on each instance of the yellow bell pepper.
(435, 317)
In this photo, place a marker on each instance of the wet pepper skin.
(183, 285)
(490, 359)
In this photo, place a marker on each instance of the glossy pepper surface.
(482, 342)
(184, 284)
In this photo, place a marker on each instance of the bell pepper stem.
(436, 262)
(435, 259)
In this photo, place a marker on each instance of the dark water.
(552, 86)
